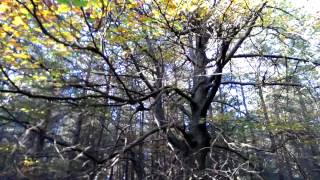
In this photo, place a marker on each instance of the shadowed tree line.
(158, 89)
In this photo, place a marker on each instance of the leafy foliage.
(231, 85)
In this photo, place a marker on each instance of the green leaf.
(80, 3)
(63, 1)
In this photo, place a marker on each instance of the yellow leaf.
(17, 33)
(35, 65)
(133, 5)
(18, 21)
(22, 56)
(3, 34)
(14, 43)
(40, 78)
(8, 58)
(24, 11)
(68, 36)
(24, 110)
(3, 8)
(63, 8)
(122, 30)
(7, 28)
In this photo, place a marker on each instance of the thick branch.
(275, 57)
(246, 34)
(264, 84)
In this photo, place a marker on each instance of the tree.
(164, 58)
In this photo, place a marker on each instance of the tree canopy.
(159, 89)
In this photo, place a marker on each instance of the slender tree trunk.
(111, 174)
(271, 136)
(285, 163)
(141, 153)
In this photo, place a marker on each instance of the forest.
(159, 90)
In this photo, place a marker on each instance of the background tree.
(158, 89)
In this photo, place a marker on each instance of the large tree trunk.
(193, 143)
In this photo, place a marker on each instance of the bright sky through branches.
(311, 5)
